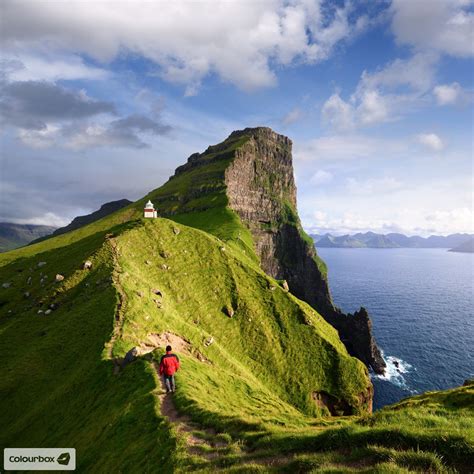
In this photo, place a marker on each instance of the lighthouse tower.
(149, 210)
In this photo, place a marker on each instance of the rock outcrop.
(261, 189)
(252, 173)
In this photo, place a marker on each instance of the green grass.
(254, 386)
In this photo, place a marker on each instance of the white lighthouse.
(149, 211)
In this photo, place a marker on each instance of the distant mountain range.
(465, 247)
(13, 236)
(392, 240)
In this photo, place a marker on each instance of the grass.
(253, 385)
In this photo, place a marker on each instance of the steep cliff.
(251, 172)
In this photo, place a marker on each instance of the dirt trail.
(199, 441)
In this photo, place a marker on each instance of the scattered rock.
(28, 281)
(48, 311)
(273, 288)
(157, 292)
(222, 249)
(59, 277)
(6, 285)
(176, 230)
(396, 364)
(285, 286)
(130, 356)
(26, 294)
(164, 266)
(208, 341)
(40, 311)
(87, 284)
(41, 264)
(164, 254)
(148, 262)
(158, 303)
(228, 311)
(53, 306)
(140, 294)
(87, 265)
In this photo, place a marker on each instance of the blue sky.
(103, 100)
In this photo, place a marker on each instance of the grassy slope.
(61, 391)
(57, 386)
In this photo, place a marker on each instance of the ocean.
(421, 302)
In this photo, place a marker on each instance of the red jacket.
(169, 364)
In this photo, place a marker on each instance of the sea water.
(421, 302)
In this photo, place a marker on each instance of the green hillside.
(266, 384)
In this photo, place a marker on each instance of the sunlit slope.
(273, 342)
(58, 387)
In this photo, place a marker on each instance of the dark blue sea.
(421, 302)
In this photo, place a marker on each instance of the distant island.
(465, 247)
(395, 240)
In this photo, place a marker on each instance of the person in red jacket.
(169, 365)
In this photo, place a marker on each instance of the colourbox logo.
(39, 459)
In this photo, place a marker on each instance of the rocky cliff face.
(252, 173)
(261, 189)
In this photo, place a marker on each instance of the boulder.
(59, 277)
(228, 311)
(176, 230)
(208, 341)
(87, 265)
(41, 264)
(130, 356)
(285, 285)
(6, 285)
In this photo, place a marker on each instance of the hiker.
(169, 364)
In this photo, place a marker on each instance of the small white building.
(149, 211)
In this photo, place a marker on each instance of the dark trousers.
(169, 383)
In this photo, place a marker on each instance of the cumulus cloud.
(448, 94)
(431, 141)
(241, 42)
(446, 26)
(337, 113)
(31, 104)
(382, 95)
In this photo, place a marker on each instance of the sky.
(102, 100)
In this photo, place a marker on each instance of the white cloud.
(26, 67)
(431, 141)
(448, 94)
(446, 26)
(242, 42)
(321, 177)
(338, 113)
(446, 220)
(383, 95)
(292, 116)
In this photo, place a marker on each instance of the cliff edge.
(253, 169)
